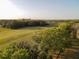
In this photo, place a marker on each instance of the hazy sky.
(46, 9)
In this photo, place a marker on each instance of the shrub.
(54, 39)
(20, 54)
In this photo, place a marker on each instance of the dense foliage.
(55, 39)
(15, 24)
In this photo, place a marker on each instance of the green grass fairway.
(8, 36)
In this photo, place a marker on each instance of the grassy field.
(8, 36)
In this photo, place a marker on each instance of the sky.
(39, 9)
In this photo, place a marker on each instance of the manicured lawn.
(8, 36)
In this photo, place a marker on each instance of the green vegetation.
(54, 39)
(16, 24)
(37, 40)
(34, 42)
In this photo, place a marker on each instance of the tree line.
(15, 24)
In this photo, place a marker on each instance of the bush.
(54, 39)
(20, 54)
(14, 52)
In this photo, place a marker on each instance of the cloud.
(9, 10)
